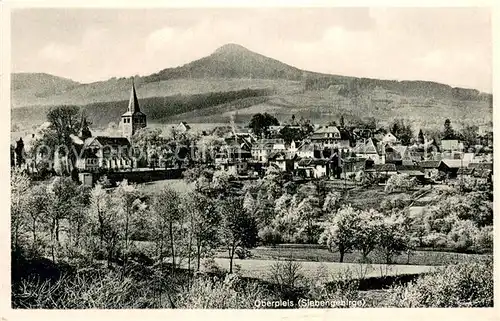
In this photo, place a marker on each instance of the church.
(110, 153)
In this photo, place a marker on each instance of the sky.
(447, 45)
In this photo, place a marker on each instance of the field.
(317, 253)
(325, 270)
(177, 184)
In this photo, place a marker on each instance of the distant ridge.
(230, 67)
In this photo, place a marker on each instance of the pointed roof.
(133, 103)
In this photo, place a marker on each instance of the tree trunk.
(171, 231)
(57, 230)
(342, 252)
(231, 257)
(198, 256)
(78, 230)
(34, 235)
(125, 257)
(52, 228)
(161, 246)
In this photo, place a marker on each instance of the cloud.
(450, 45)
(58, 52)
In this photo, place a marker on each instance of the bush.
(227, 293)
(484, 239)
(270, 236)
(242, 253)
(400, 183)
(289, 278)
(211, 267)
(463, 285)
(309, 234)
(107, 291)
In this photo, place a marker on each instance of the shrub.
(227, 293)
(289, 277)
(270, 236)
(400, 182)
(210, 266)
(464, 285)
(242, 253)
(107, 291)
(484, 239)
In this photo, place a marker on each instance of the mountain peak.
(231, 48)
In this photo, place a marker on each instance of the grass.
(260, 269)
(178, 185)
(316, 253)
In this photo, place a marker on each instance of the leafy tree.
(308, 211)
(339, 232)
(291, 134)
(367, 232)
(393, 239)
(402, 131)
(37, 207)
(469, 135)
(63, 193)
(203, 221)
(238, 228)
(448, 132)
(167, 213)
(20, 186)
(65, 121)
(462, 235)
(260, 123)
(129, 206)
(421, 139)
(150, 143)
(331, 202)
(342, 121)
(103, 221)
(400, 183)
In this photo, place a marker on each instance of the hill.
(158, 109)
(233, 68)
(234, 61)
(26, 87)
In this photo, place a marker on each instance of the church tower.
(133, 119)
(85, 130)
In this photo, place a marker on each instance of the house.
(411, 170)
(183, 127)
(395, 154)
(451, 166)
(262, 149)
(352, 165)
(381, 169)
(103, 152)
(430, 167)
(235, 155)
(312, 168)
(450, 145)
(389, 138)
(370, 149)
(331, 137)
(278, 160)
(306, 150)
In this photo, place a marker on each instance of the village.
(303, 150)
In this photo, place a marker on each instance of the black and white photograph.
(250, 157)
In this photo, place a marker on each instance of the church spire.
(133, 103)
(84, 129)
